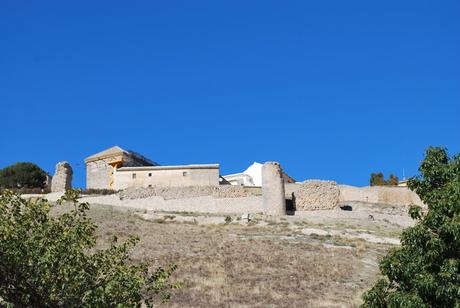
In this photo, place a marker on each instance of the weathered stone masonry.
(62, 179)
(100, 167)
(274, 201)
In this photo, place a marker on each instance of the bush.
(425, 270)
(25, 190)
(94, 191)
(22, 175)
(52, 262)
(228, 219)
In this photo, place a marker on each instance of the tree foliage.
(425, 270)
(48, 261)
(378, 179)
(22, 175)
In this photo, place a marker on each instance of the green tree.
(378, 179)
(48, 261)
(392, 180)
(425, 270)
(22, 175)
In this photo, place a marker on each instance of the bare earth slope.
(313, 259)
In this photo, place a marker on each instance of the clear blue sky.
(331, 89)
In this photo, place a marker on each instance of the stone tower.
(274, 201)
(62, 179)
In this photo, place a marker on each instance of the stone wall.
(99, 174)
(203, 204)
(309, 195)
(290, 188)
(396, 196)
(170, 193)
(399, 196)
(316, 195)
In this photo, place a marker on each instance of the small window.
(134, 175)
(150, 174)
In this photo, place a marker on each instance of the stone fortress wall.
(309, 195)
(316, 195)
(395, 195)
(172, 193)
(226, 199)
(203, 204)
(319, 195)
(142, 183)
(238, 199)
(119, 169)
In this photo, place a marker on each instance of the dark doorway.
(290, 205)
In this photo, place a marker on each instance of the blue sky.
(331, 89)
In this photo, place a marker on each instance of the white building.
(252, 176)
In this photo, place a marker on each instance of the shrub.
(94, 191)
(393, 180)
(50, 261)
(26, 190)
(22, 175)
(425, 270)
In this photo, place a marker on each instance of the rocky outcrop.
(62, 179)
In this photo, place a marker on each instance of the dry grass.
(246, 266)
